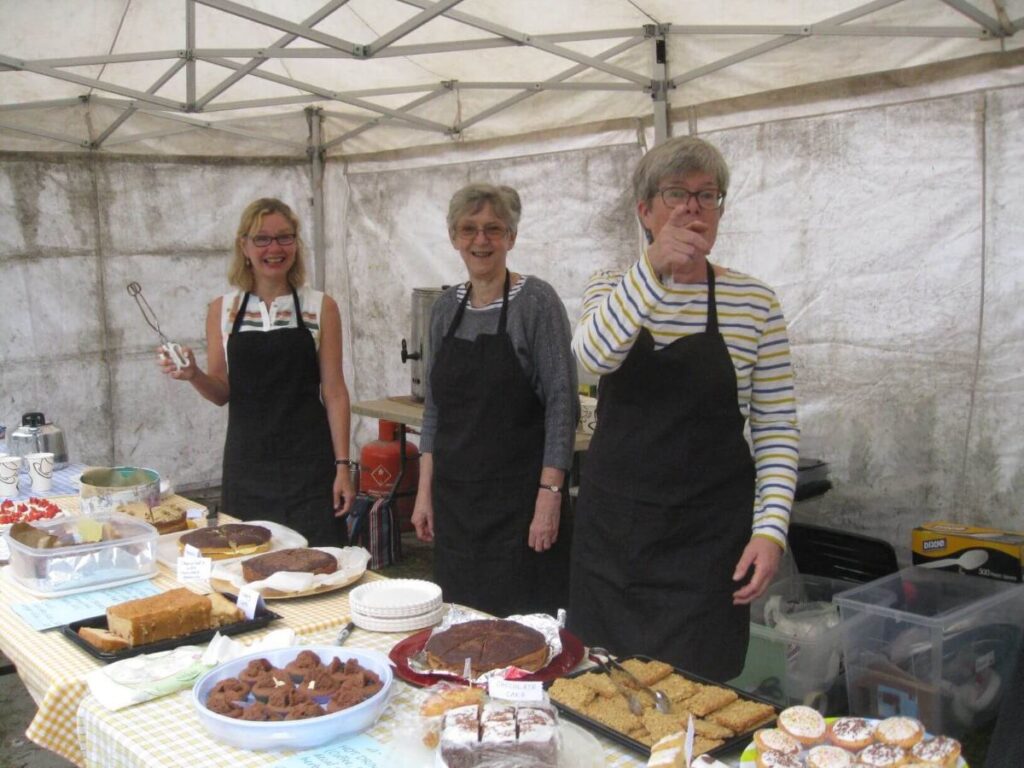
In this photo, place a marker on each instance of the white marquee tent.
(876, 149)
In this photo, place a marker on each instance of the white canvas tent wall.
(877, 165)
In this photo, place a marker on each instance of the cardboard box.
(970, 549)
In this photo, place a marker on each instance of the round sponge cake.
(300, 560)
(229, 540)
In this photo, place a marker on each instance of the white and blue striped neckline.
(513, 291)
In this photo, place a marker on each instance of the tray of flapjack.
(724, 717)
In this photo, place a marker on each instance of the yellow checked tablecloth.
(166, 731)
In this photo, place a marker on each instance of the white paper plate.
(396, 598)
(281, 537)
(403, 624)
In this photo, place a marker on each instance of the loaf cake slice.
(160, 617)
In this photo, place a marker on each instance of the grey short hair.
(471, 198)
(683, 154)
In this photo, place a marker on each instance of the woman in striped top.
(678, 527)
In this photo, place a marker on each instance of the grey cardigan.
(539, 328)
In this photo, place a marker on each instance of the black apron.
(488, 454)
(278, 456)
(666, 508)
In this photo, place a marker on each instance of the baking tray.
(262, 618)
(738, 741)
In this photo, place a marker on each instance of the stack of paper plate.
(396, 605)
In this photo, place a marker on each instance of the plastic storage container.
(795, 651)
(126, 553)
(930, 644)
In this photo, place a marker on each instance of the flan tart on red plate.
(488, 644)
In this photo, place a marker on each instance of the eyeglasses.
(708, 199)
(262, 241)
(491, 231)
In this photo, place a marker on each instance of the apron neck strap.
(712, 324)
(240, 314)
(298, 309)
(502, 320)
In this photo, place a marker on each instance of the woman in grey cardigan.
(499, 423)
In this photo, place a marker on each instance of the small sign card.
(192, 566)
(516, 690)
(360, 751)
(57, 611)
(249, 600)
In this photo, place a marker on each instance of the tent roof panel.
(513, 67)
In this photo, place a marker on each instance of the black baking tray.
(740, 740)
(261, 619)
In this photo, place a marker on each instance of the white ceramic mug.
(9, 468)
(40, 470)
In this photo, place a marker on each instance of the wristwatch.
(553, 488)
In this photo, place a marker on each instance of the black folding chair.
(835, 554)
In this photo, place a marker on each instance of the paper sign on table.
(194, 568)
(248, 601)
(360, 751)
(57, 611)
(516, 690)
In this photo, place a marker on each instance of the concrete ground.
(18, 708)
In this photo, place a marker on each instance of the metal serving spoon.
(661, 700)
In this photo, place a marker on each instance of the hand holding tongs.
(607, 662)
(170, 348)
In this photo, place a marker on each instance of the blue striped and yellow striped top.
(618, 304)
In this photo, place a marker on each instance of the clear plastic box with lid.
(125, 553)
(931, 644)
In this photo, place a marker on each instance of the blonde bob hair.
(240, 273)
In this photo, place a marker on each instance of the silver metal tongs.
(170, 348)
(608, 663)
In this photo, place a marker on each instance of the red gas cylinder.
(379, 465)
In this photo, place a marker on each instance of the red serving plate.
(566, 661)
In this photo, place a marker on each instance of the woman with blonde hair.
(274, 357)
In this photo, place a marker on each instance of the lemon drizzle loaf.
(170, 614)
(488, 644)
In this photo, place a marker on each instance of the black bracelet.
(345, 463)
